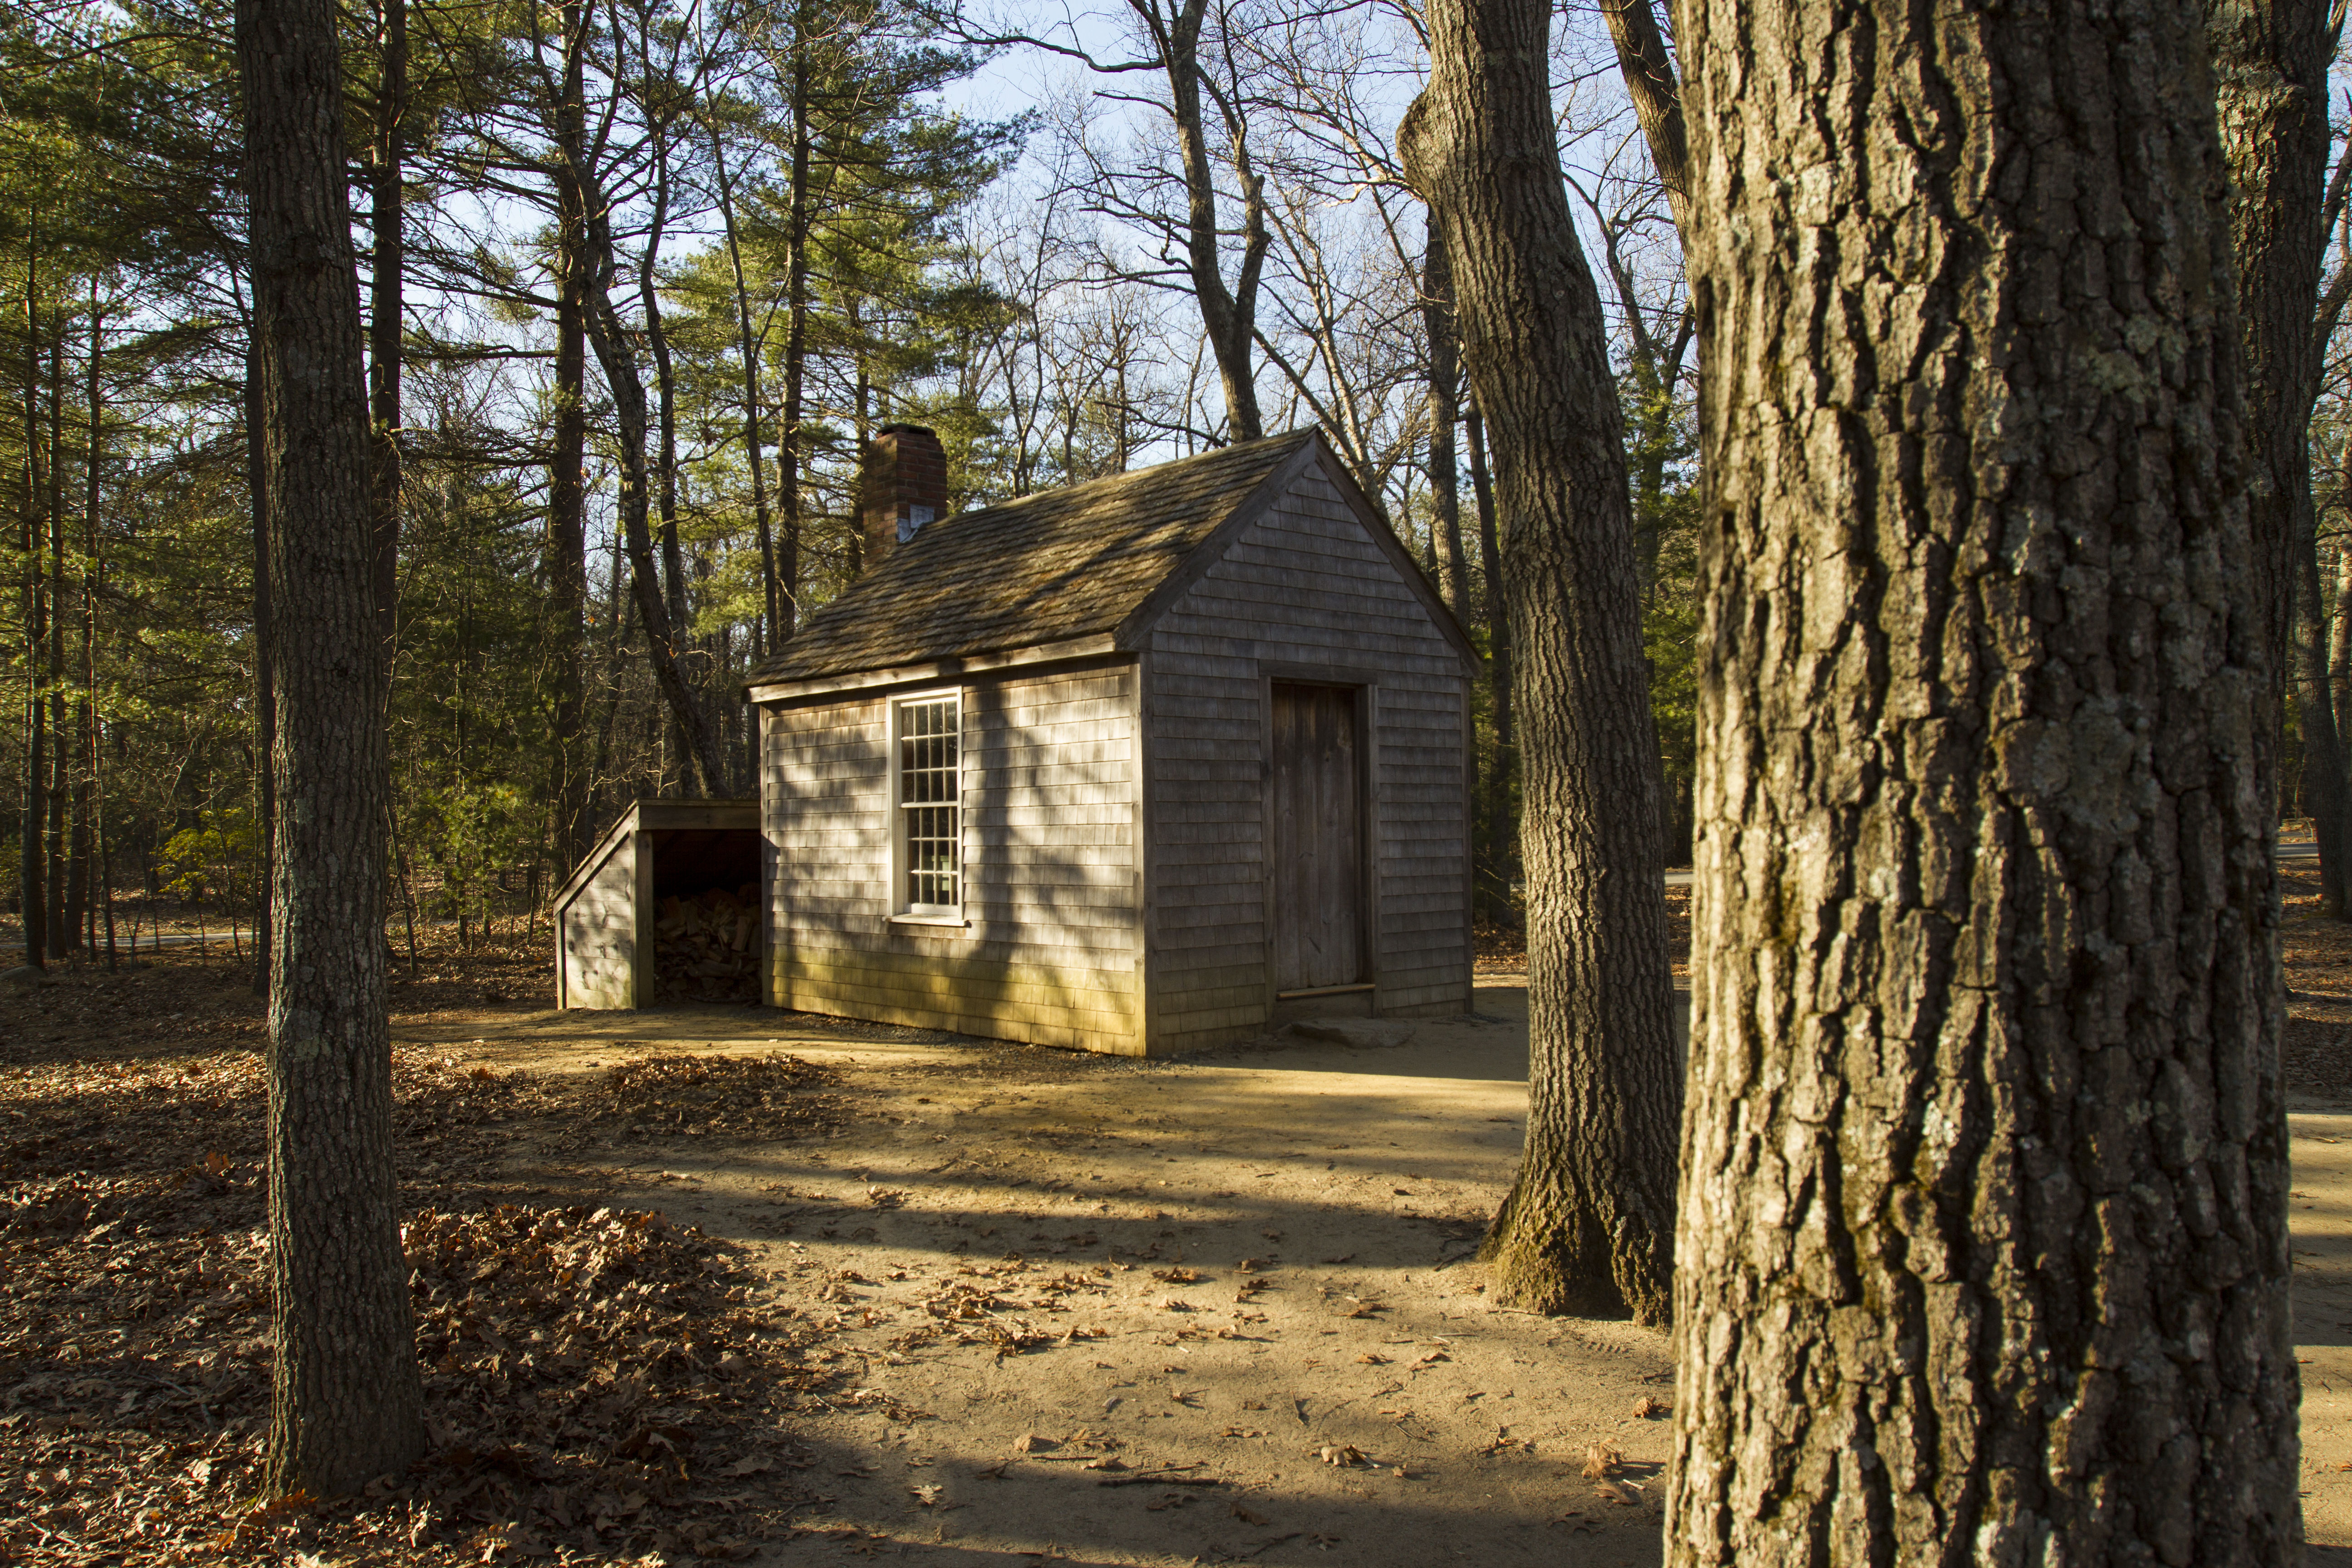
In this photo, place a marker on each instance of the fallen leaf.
(752, 1464)
(1646, 1408)
(1601, 1459)
(929, 1496)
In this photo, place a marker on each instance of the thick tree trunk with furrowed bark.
(1589, 1227)
(348, 1403)
(2270, 81)
(1983, 1252)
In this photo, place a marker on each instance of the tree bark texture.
(2270, 88)
(387, 221)
(567, 484)
(1500, 830)
(87, 799)
(265, 688)
(1647, 67)
(1444, 415)
(1589, 1227)
(348, 1401)
(1984, 1253)
(799, 216)
(32, 868)
(2326, 790)
(63, 936)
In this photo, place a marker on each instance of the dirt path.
(1055, 1291)
(1069, 1290)
(1110, 1205)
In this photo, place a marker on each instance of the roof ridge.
(1061, 492)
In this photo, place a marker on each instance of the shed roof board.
(653, 814)
(1084, 569)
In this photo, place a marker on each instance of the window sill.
(951, 922)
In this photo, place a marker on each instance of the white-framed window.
(926, 798)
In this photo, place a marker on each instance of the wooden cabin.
(1142, 765)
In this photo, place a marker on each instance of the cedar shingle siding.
(1115, 789)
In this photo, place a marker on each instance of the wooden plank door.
(1318, 841)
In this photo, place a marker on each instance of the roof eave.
(1093, 645)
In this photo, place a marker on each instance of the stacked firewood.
(706, 946)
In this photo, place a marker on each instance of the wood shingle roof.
(1042, 569)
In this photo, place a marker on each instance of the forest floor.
(766, 1286)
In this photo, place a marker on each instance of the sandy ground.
(1119, 1201)
(1248, 1270)
(1062, 1290)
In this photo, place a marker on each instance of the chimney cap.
(902, 429)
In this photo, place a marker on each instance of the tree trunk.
(754, 448)
(616, 357)
(673, 564)
(348, 1402)
(65, 930)
(1648, 69)
(567, 487)
(1228, 314)
(1589, 1227)
(385, 294)
(1984, 1253)
(796, 282)
(265, 693)
(1444, 414)
(2340, 635)
(2270, 78)
(1500, 831)
(32, 866)
(78, 901)
(2325, 783)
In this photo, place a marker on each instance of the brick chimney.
(902, 485)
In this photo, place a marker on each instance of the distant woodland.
(787, 224)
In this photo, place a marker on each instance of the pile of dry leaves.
(601, 1386)
(769, 1096)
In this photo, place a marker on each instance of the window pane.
(931, 796)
